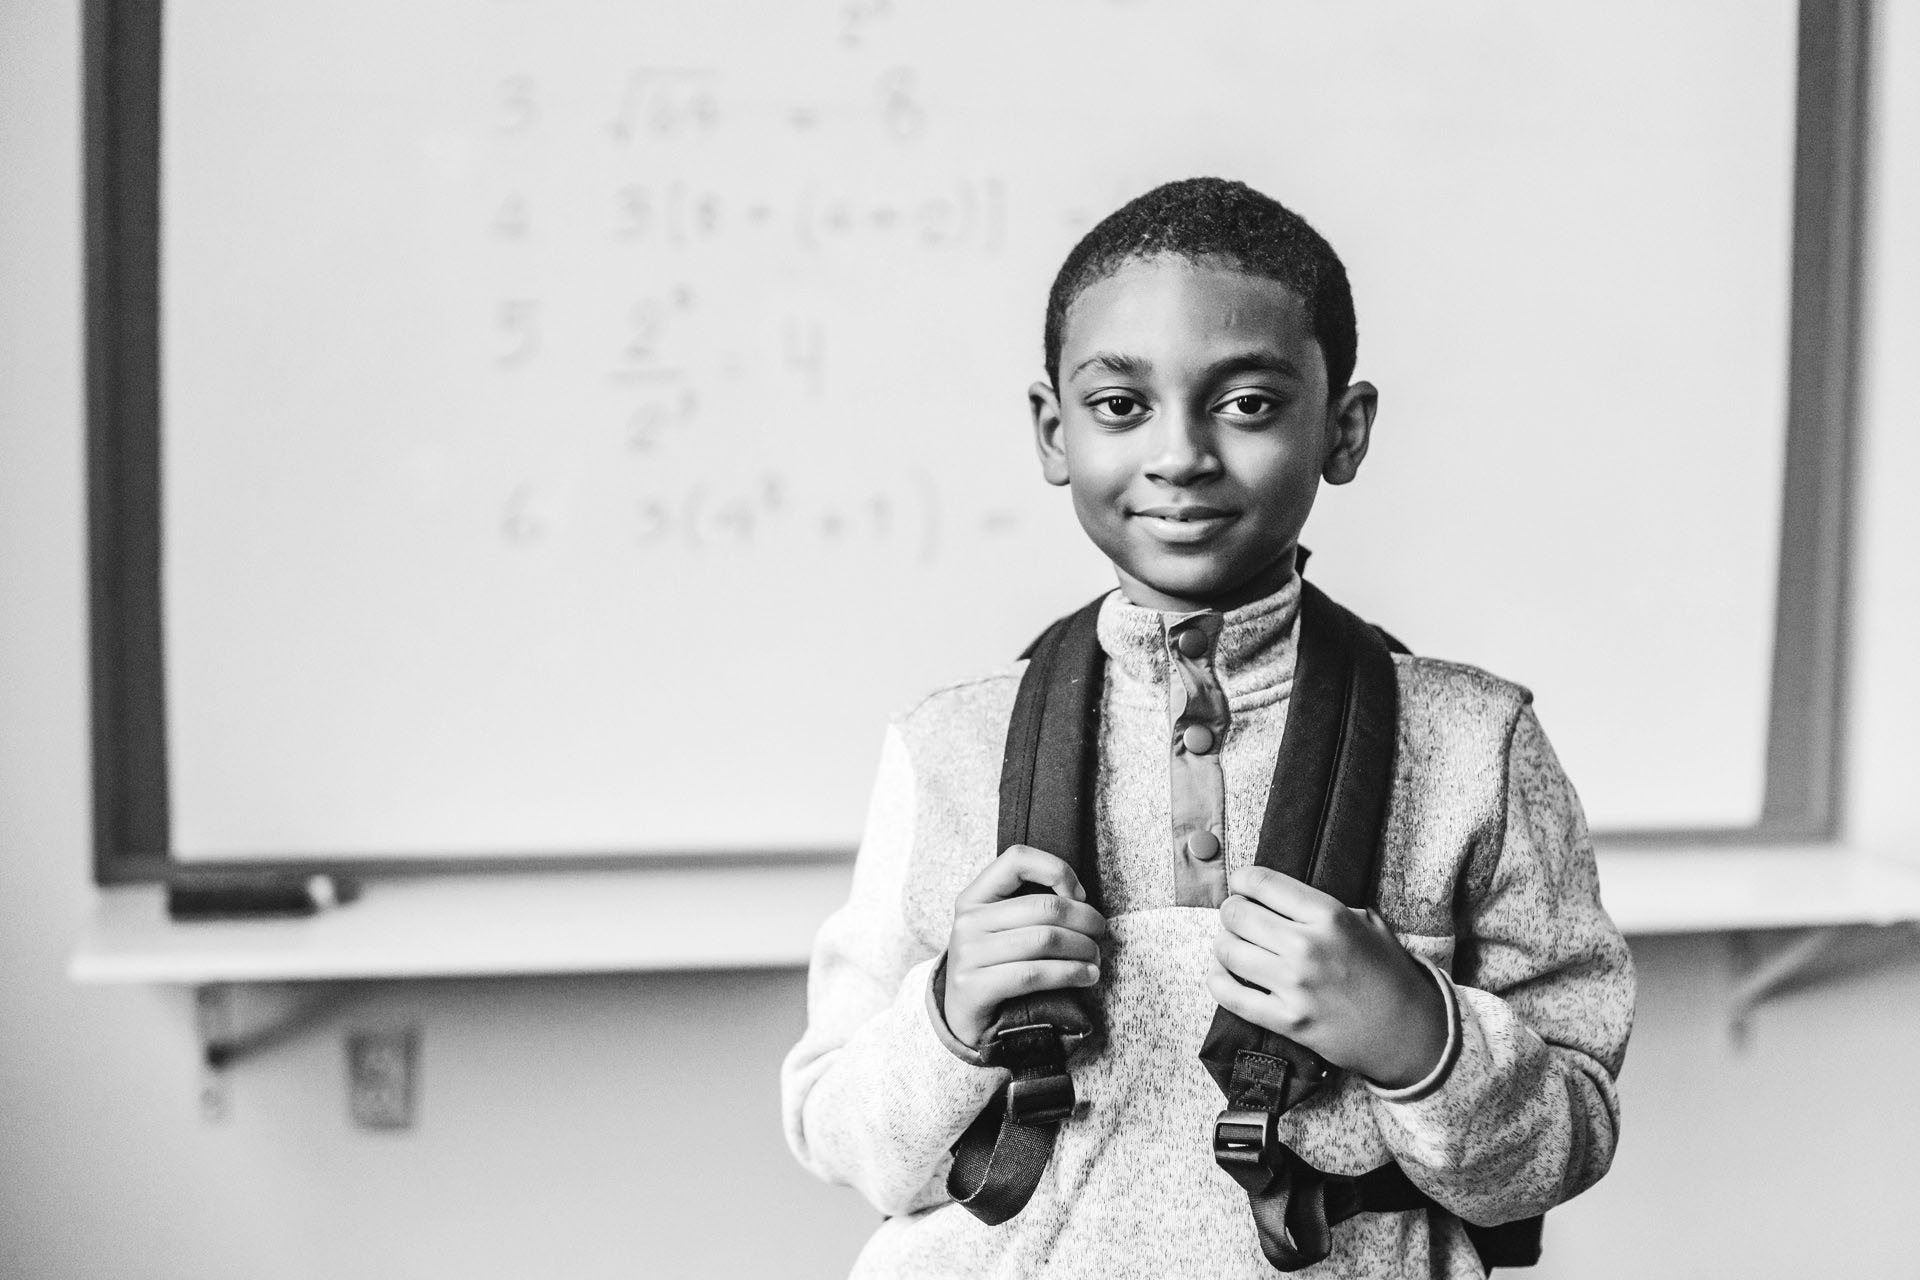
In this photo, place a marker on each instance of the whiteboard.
(585, 422)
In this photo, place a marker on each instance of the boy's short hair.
(1213, 218)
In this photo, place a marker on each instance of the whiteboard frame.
(125, 409)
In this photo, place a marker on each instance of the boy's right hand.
(1006, 943)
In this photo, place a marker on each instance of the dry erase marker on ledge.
(245, 895)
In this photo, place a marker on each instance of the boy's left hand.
(1333, 978)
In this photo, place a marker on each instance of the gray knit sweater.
(1487, 872)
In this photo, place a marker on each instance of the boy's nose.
(1182, 450)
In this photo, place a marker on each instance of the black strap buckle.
(1041, 1091)
(1247, 1145)
(1041, 1099)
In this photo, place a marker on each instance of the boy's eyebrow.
(1126, 366)
(1123, 366)
(1252, 362)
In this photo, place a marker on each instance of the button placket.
(1197, 707)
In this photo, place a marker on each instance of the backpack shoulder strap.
(1325, 818)
(1324, 824)
(1326, 812)
(1047, 775)
(1326, 809)
(1046, 794)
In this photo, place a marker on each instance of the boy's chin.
(1189, 592)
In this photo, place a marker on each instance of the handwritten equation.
(715, 309)
(676, 104)
(965, 213)
(659, 107)
(904, 517)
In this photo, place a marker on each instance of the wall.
(627, 1126)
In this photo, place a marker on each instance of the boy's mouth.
(1186, 523)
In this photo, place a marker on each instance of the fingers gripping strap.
(1326, 811)
(1326, 807)
(1045, 790)
(1046, 801)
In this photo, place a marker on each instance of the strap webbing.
(1051, 754)
(1326, 814)
(1326, 811)
(999, 1159)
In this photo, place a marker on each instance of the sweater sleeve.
(871, 1096)
(1528, 1115)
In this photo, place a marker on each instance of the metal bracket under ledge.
(234, 1020)
(1761, 972)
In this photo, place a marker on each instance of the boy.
(1200, 345)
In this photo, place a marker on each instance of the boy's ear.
(1048, 438)
(1349, 427)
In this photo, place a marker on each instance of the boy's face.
(1193, 425)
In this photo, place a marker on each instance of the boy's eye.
(1251, 404)
(1117, 406)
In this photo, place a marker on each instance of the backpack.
(1323, 826)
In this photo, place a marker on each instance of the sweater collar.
(1253, 646)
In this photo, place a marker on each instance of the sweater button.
(1193, 642)
(1197, 738)
(1204, 846)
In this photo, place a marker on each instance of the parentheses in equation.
(929, 515)
(996, 236)
(696, 509)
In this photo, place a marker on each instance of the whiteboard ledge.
(475, 925)
(1718, 890)
(764, 916)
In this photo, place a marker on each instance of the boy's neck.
(1261, 585)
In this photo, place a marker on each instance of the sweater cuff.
(937, 1017)
(1448, 1056)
